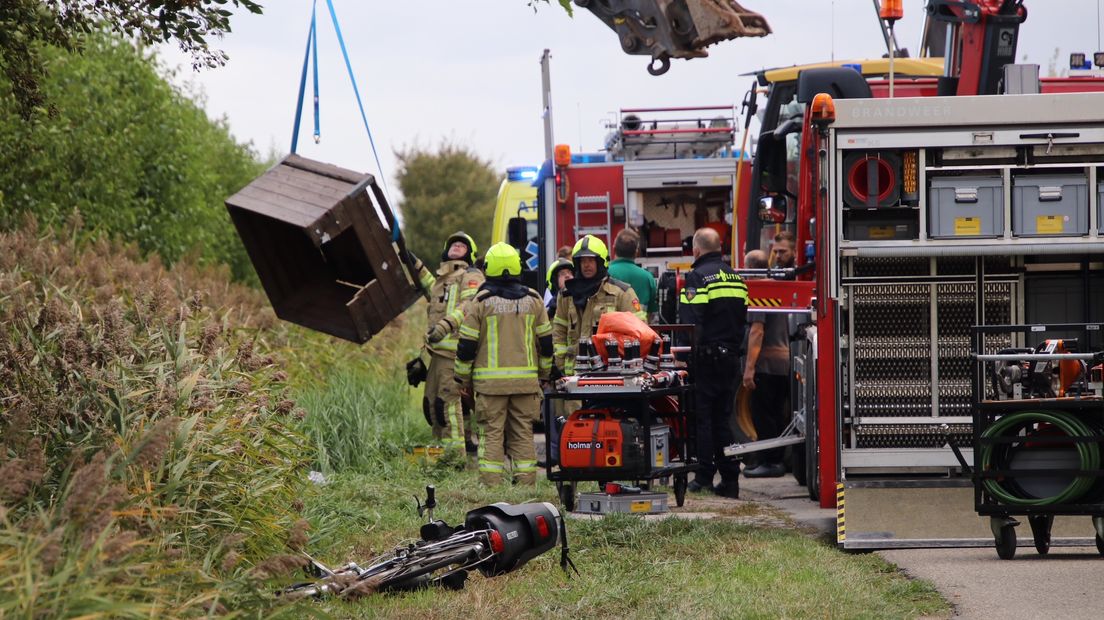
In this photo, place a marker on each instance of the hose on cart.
(997, 456)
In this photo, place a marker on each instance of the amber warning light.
(824, 110)
(892, 10)
(562, 155)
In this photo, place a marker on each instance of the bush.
(136, 156)
(148, 459)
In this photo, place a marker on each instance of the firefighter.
(714, 299)
(453, 288)
(585, 298)
(558, 274)
(505, 356)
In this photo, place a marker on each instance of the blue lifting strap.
(312, 46)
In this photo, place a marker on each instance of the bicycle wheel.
(408, 570)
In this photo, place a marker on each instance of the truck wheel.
(797, 464)
(1006, 542)
(1040, 532)
(1100, 544)
(680, 492)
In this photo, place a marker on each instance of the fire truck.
(890, 278)
(972, 200)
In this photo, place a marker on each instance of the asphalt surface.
(1068, 583)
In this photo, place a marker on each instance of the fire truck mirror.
(772, 209)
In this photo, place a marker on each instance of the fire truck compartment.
(966, 206)
(881, 224)
(1050, 205)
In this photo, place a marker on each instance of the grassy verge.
(157, 426)
(733, 567)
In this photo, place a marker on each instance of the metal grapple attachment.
(665, 29)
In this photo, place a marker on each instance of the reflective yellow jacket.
(505, 344)
(450, 292)
(568, 327)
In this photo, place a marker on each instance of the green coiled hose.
(1088, 455)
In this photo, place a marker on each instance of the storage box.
(965, 207)
(881, 225)
(659, 447)
(1050, 205)
(632, 503)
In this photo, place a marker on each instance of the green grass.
(722, 568)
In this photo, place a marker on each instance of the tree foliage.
(25, 25)
(445, 191)
(136, 156)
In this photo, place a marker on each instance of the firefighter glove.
(415, 371)
(556, 373)
(438, 332)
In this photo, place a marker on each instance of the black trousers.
(715, 383)
(768, 403)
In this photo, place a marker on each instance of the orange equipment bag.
(623, 327)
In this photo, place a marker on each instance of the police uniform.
(714, 298)
(449, 292)
(610, 295)
(504, 352)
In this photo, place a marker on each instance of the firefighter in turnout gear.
(449, 293)
(714, 298)
(504, 356)
(585, 298)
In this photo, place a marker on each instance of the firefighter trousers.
(441, 403)
(506, 429)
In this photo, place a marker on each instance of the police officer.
(585, 298)
(454, 286)
(504, 356)
(714, 299)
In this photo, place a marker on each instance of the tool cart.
(630, 418)
(1038, 428)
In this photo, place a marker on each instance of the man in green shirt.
(623, 268)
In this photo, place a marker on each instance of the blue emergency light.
(521, 173)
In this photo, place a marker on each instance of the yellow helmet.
(466, 239)
(554, 268)
(502, 259)
(590, 245)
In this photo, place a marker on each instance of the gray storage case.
(965, 207)
(644, 503)
(1050, 205)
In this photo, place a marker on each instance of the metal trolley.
(1037, 444)
(637, 404)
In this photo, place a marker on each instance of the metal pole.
(549, 213)
(892, 52)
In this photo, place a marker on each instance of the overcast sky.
(469, 70)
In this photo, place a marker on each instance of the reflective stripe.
(699, 298)
(492, 341)
(462, 369)
(427, 279)
(451, 293)
(457, 314)
(560, 321)
(505, 373)
(643, 316)
(491, 466)
(569, 366)
(544, 329)
(448, 344)
(470, 332)
(524, 466)
(559, 349)
(545, 363)
(454, 427)
(468, 293)
(529, 339)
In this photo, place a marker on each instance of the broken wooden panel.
(326, 261)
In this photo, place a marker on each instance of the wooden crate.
(319, 237)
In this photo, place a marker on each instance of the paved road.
(1068, 583)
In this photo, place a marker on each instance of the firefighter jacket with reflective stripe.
(449, 293)
(568, 327)
(505, 344)
(715, 299)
